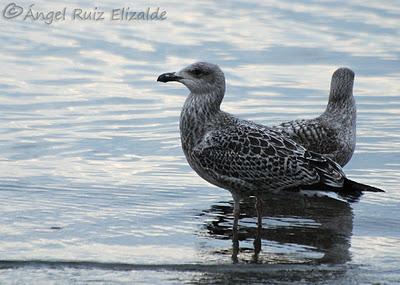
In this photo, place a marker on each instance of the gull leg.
(236, 212)
(235, 238)
(257, 240)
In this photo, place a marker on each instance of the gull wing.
(312, 134)
(264, 159)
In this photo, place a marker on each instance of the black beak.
(170, 76)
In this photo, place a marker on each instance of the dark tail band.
(352, 186)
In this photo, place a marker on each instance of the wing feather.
(264, 159)
(312, 134)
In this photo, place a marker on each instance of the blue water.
(94, 185)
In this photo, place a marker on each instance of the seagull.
(333, 133)
(244, 157)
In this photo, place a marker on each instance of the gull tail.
(351, 186)
(352, 190)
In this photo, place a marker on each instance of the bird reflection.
(318, 229)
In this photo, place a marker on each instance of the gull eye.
(196, 72)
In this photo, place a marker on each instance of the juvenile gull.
(333, 133)
(242, 156)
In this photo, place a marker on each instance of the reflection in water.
(90, 143)
(304, 230)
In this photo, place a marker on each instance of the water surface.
(94, 185)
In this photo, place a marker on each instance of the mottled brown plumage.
(332, 134)
(242, 156)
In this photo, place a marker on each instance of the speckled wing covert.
(256, 158)
(313, 134)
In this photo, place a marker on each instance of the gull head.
(199, 78)
(342, 83)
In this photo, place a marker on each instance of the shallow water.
(94, 186)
